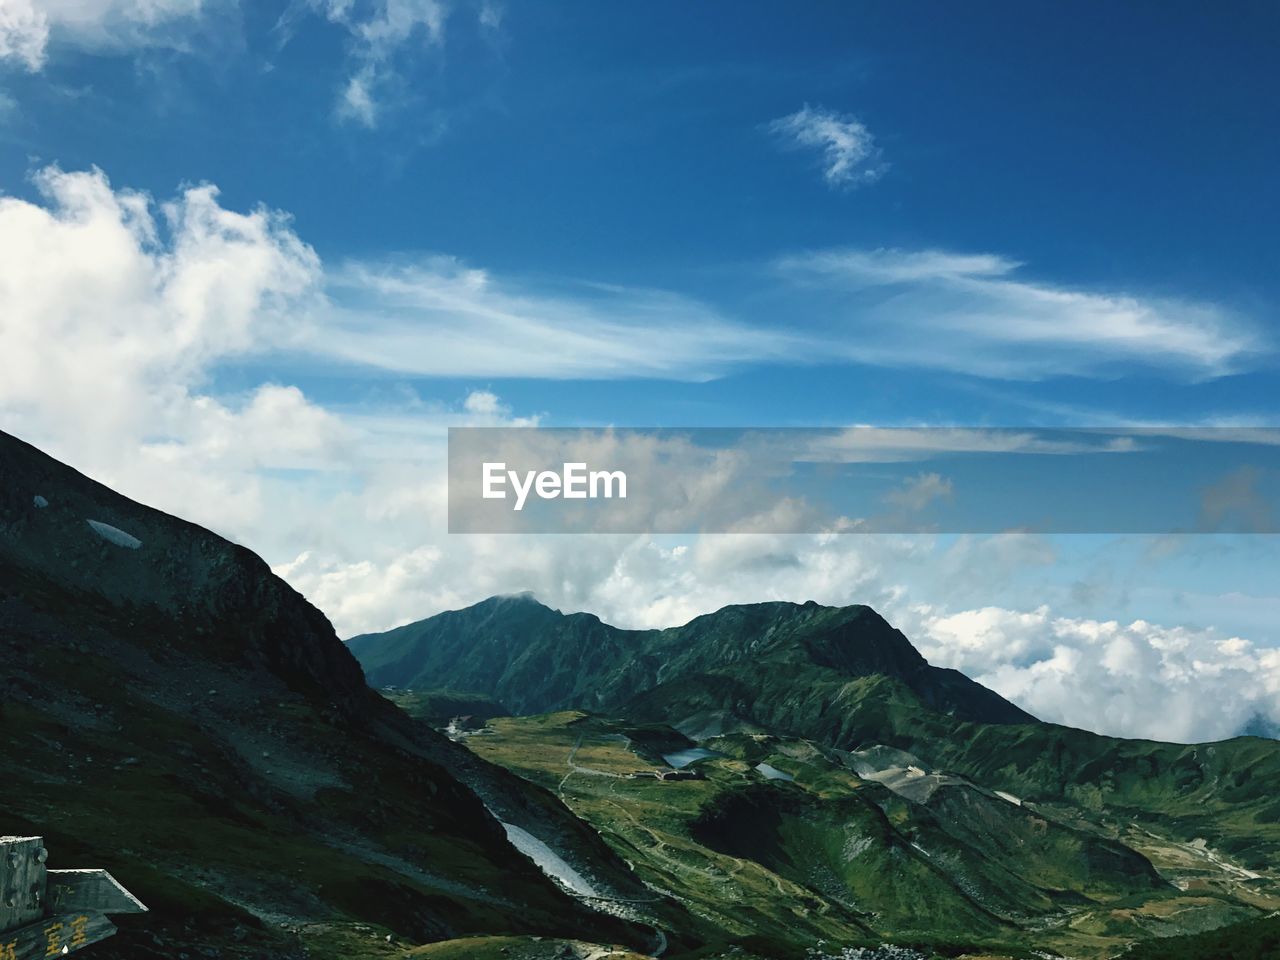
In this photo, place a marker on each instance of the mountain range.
(772, 780)
(1001, 821)
(534, 659)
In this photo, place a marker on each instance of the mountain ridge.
(534, 659)
(1215, 794)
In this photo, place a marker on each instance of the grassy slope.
(777, 866)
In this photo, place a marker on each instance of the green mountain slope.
(534, 659)
(1078, 841)
(1250, 940)
(776, 844)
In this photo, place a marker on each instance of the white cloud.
(884, 266)
(849, 154)
(440, 317)
(491, 15)
(381, 32)
(968, 313)
(385, 38)
(485, 403)
(919, 491)
(112, 311)
(24, 33)
(29, 27)
(356, 101)
(1137, 679)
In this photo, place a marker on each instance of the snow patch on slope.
(114, 535)
(550, 862)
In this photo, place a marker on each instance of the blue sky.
(1105, 149)
(259, 256)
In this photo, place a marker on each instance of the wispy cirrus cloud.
(971, 313)
(386, 39)
(382, 34)
(850, 157)
(437, 316)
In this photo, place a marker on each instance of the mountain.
(534, 659)
(849, 789)
(770, 781)
(172, 711)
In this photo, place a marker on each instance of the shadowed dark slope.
(174, 712)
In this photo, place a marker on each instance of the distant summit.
(534, 659)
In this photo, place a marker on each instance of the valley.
(845, 852)
(794, 774)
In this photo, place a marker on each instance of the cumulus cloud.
(29, 27)
(849, 154)
(112, 311)
(1137, 679)
(970, 313)
(484, 402)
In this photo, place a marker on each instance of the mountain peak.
(522, 598)
(534, 659)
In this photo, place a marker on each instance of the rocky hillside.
(174, 712)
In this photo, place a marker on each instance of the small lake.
(682, 758)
